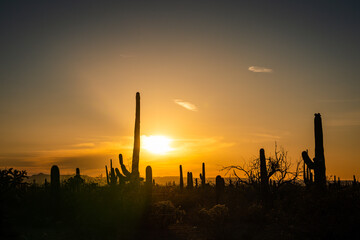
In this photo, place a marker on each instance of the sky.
(222, 79)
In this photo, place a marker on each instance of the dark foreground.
(128, 212)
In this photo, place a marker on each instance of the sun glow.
(156, 144)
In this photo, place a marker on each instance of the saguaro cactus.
(55, 178)
(190, 182)
(136, 150)
(219, 187)
(264, 179)
(202, 176)
(318, 163)
(148, 184)
(149, 180)
(77, 180)
(307, 174)
(354, 183)
(181, 178)
(110, 176)
(133, 176)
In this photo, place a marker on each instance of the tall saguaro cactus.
(134, 175)
(136, 150)
(318, 163)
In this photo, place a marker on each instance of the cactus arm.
(123, 168)
(307, 160)
(121, 177)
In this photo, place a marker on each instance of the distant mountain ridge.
(166, 180)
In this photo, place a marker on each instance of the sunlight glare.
(156, 144)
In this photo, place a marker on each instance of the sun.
(156, 144)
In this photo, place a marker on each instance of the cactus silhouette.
(264, 179)
(190, 182)
(148, 184)
(55, 178)
(149, 180)
(307, 174)
(202, 176)
(136, 150)
(181, 178)
(354, 183)
(77, 180)
(219, 187)
(111, 178)
(107, 175)
(126, 175)
(133, 176)
(318, 163)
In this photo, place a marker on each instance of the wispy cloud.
(127, 55)
(344, 122)
(187, 105)
(345, 119)
(339, 100)
(201, 144)
(257, 69)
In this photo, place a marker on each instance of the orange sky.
(221, 80)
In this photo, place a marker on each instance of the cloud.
(343, 123)
(187, 105)
(266, 136)
(260, 69)
(339, 100)
(200, 144)
(127, 56)
(345, 119)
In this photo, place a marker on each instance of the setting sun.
(156, 144)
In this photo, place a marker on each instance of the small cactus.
(219, 187)
(202, 176)
(55, 178)
(354, 181)
(181, 178)
(190, 182)
(149, 183)
(149, 180)
(111, 178)
(307, 175)
(107, 175)
(264, 179)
